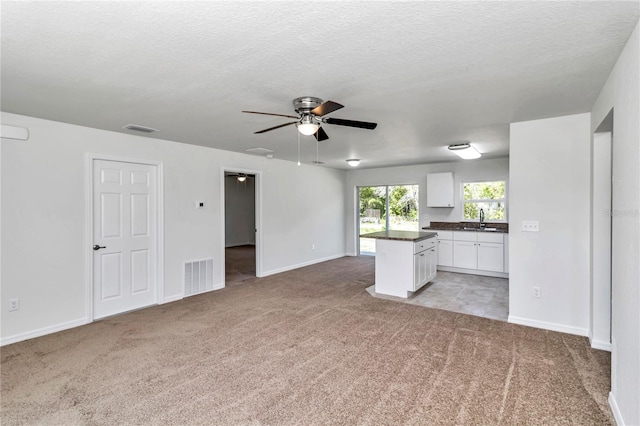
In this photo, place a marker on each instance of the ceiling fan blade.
(351, 123)
(326, 108)
(321, 135)
(268, 113)
(276, 127)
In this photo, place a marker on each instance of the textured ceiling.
(430, 73)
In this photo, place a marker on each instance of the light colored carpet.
(305, 347)
(239, 263)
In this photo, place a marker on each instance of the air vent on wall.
(142, 129)
(198, 276)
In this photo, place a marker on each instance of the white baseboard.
(218, 286)
(43, 331)
(601, 344)
(548, 326)
(473, 272)
(170, 299)
(617, 415)
(351, 253)
(301, 265)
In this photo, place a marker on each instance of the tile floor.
(486, 297)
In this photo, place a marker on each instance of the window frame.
(504, 200)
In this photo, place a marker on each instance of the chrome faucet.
(482, 224)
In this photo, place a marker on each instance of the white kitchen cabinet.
(482, 253)
(432, 256)
(420, 269)
(404, 266)
(465, 254)
(440, 189)
(491, 257)
(445, 252)
(445, 248)
(490, 252)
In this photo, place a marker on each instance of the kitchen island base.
(405, 261)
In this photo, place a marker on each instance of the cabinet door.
(491, 257)
(420, 269)
(445, 252)
(440, 189)
(465, 254)
(433, 264)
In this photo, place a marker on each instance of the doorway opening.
(385, 207)
(601, 234)
(240, 225)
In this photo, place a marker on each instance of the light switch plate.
(530, 225)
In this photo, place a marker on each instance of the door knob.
(97, 247)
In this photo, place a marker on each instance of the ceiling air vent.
(259, 151)
(141, 129)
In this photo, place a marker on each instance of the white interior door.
(124, 236)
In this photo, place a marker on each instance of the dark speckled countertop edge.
(501, 227)
(497, 231)
(400, 235)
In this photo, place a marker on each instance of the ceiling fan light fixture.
(307, 126)
(465, 151)
(353, 162)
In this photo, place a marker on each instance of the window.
(488, 196)
(386, 207)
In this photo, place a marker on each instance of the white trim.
(579, 331)
(617, 415)
(301, 265)
(88, 238)
(218, 286)
(170, 299)
(44, 331)
(601, 344)
(258, 217)
(351, 254)
(473, 272)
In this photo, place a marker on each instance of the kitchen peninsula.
(405, 261)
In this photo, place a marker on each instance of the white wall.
(550, 182)
(240, 209)
(43, 217)
(463, 171)
(621, 93)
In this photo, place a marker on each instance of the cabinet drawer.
(445, 235)
(487, 237)
(465, 236)
(423, 245)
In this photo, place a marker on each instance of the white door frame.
(88, 237)
(258, 213)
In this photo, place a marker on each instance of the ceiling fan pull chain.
(298, 148)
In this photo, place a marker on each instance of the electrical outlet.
(14, 304)
(536, 292)
(313, 246)
(530, 226)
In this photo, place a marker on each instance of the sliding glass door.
(386, 207)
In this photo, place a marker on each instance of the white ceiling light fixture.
(307, 125)
(353, 162)
(242, 178)
(465, 151)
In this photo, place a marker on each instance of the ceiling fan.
(311, 112)
(240, 176)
